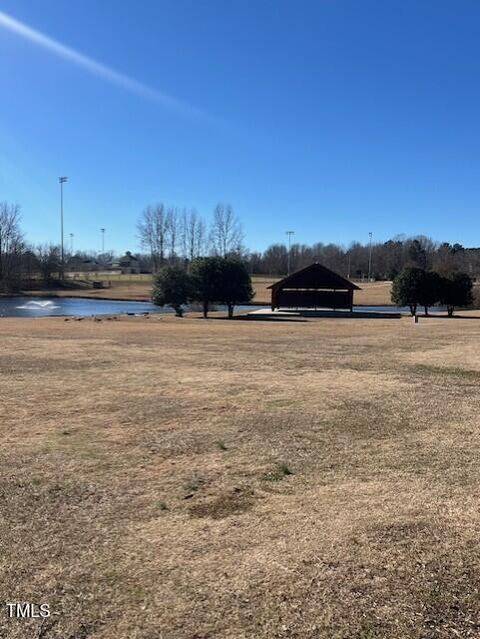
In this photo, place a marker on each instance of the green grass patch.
(278, 473)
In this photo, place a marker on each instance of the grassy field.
(194, 479)
(138, 287)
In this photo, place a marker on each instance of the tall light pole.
(62, 180)
(370, 256)
(289, 235)
(71, 243)
(103, 240)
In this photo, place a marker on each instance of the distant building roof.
(129, 256)
(80, 260)
(125, 259)
(315, 276)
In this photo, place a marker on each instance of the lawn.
(192, 479)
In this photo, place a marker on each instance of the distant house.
(127, 264)
(82, 265)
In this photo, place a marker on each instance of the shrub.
(407, 288)
(430, 288)
(236, 285)
(456, 290)
(172, 287)
(206, 275)
(220, 279)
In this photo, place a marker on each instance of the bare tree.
(29, 264)
(49, 261)
(11, 244)
(274, 260)
(153, 229)
(226, 233)
(193, 235)
(173, 228)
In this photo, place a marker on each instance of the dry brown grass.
(373, 293)
(128, 289)
(193, 479)
(118, 290)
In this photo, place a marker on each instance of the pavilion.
(315, 286)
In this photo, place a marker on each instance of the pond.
(24, 306)
(390, 308)
(80, 306)
(379, 308)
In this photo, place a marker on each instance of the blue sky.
(329, 117)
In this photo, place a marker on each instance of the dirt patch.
(234, 502)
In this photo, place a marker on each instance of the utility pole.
(370, 257)
(103, 240)
(289, 235)
(62, 180)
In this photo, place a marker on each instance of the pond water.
(51, 306)
(399, 309)
(386, 308)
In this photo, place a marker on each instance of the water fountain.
(34, 305)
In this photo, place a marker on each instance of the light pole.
(370, 256)
(62, 180)
(103, 240)
(71, 243)
(289, 235)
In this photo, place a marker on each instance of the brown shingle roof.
(316, 276)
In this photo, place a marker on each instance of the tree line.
(167, 235)
(170, 235)
(386, 259)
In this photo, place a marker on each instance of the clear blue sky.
(329, 117)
